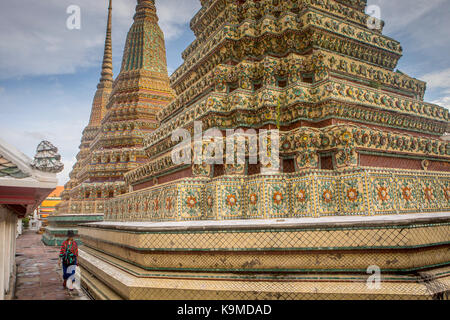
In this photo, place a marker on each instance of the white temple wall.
(8, 232)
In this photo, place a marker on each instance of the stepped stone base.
(324, 258)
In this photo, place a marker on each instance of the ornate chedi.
(357, 142)
(47, 158)
(72, 199)
(122, 114)
(74, 209)
(316, 70)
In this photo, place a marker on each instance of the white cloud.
(400, 13)
(37, 42)
(439, 79)
(65, 135)
(63, 177)
(422, 27)
(443, 102)
(2, 90)
(173, 15)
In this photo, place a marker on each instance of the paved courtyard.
(38, 274)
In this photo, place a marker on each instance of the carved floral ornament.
(209, 19)
(335, 89)
(312, 192)
(214, 14)
(307, 142)
(292, 112)
(265, 43)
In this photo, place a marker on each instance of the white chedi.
(47, 158)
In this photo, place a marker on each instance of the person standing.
(68, 256)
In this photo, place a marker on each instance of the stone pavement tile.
(25, 292)
(57, 295)
(27, 285)
(27, 279)
(25, 274)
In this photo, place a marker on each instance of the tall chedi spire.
(143, 82)
(104, 87)
(107, 66)
(141, 90)
(101, 98)
(145, 32)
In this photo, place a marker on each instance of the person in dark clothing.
(68, 257)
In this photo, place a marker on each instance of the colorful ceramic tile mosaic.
(313, 193)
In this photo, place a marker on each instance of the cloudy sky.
(48, 73)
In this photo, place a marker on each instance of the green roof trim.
(9, 169)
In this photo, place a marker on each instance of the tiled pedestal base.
(325, 258)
